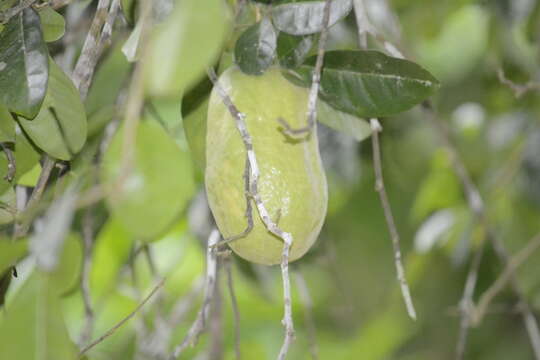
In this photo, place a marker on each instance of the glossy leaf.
(7, 126)
(306, 17)
(52, 23)
(173, 62)
(158, 186)
(23, 64)
(25, 158)
(255, 49)
(11, 252)
(60, 127)
(346, 123)
(33, 327)
(369, 83)
(293, 50)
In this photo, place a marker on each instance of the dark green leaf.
(7, 126)
(23, 64)
(129, 8)
(256, 48)
(44, 335)
(346, 123)
(142, 202)
(369, 83)
(293, 50)
(60, 127)
(306, 17)
(52, 23)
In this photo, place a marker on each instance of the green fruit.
(292, 183)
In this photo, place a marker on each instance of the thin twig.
(215, 325)
(235, 308)
(315, 83)
(15, 10)
(123, 321)
(376, 128)
(12, 165)
(305, 297)
(476, 205)
(270, 225)
(88, 240)
(467, 302)
(86, 63)
(98, 37)
(515, 262)
(199, 324)
(518, 89)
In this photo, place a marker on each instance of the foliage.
(103, 195)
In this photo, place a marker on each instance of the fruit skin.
(292, 182)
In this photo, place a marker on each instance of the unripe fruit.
(292, 182)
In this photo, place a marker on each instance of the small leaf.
(369, 83)
(59, 129)
(131, 47)
(30, 178)
(23, 64)
(129, 8)
(11, 252)
(158, 186)
(44, 335)
(348, 124)
(52, 23)
(67, 273)
(25, 159)
(293, 50)
(8, 210)
(173, 62)
(7, 126)
(306, 17)
(256, 48)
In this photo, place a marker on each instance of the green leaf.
(30, 178)
(33, 326)
(7, 126)
(255, 49)
(8, 209)
(52, 23)
(173, 62)
(293, 50)
(59, 129)
(24, 65)
(66, 275)
(157, 188)
(369, 83)
(306, 17)
(195, 130)
(11, 252)
(464, 39)
(110, 77)
(129, 8)
(111, 250)
(348, 124)
(25, 159)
